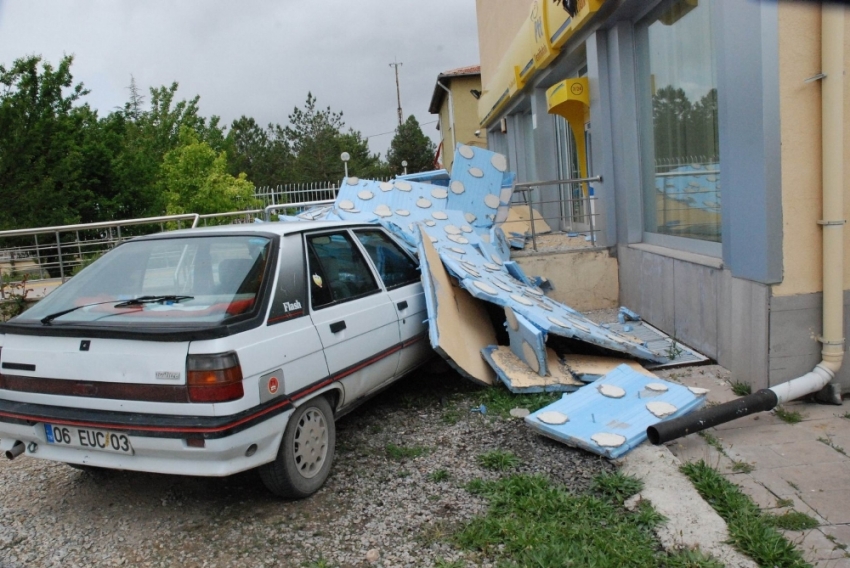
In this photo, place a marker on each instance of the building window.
(678, 96)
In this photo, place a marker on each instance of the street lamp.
(345, 156)
(404, 165)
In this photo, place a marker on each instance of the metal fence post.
(531, 217)
(38, 259)
(59, 252)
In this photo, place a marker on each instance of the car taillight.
(214, 378)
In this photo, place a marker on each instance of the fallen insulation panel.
(519, 222)
(517, 376)
(527, 342)
(660, 344)
(589, 368)
(453, 320)
(612, 424)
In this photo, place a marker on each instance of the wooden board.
(591, 367)
(518, 221)
(520, 378)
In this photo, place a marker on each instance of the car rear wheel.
(306, 452)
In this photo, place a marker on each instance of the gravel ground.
(372, 505)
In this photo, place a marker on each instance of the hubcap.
(311, 443)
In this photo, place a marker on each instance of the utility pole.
(397, 64)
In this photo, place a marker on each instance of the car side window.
(338, 272)
(395, 267)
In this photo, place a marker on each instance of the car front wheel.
(306, 452)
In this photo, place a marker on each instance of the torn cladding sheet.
(518, 224)
(460, 222)
(588, 368)
(519, 378)
(670, 352)
(613, 423)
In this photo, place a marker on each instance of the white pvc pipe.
(832, 118)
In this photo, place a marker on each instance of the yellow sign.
(535, 46)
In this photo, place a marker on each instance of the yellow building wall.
(499, 22)
(466, 117)
(800, 111)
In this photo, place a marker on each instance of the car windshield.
(205, 279)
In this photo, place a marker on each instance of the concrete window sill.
(685, 256)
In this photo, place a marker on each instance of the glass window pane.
(679, 97)
(338, 272)
(395, 267)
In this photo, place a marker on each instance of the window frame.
(401, 250)
(308, 249)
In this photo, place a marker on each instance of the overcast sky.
(254, 57)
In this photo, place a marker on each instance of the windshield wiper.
(121, 304)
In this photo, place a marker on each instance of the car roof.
(276, 227)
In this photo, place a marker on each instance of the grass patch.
(616, 486)
(712, 441)
(742, 467)
(499, 400)
(438, 476)
(789, 416)
(498, 460)
(404, 452)
(532, 522)
(752, 532)
(847, 416)
(450, 416)
(829, 443)
(784, 503)
(793, 521)
(741, 389)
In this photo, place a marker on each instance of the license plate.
(88, 439)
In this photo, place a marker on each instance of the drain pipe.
(832, 119)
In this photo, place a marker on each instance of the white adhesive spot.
(520, 412)
(466, 152)
(402, 212)
(439, 215)
(383, 211)
(430, 223)
(520, 300)
(499, 162)
(451, 229)
(491, 201)
(432, 238)
(534, 292)
(403, 186)
(352, 181)
(423, 203)
(511, 319)
(476, 172)
(466, 228)
(553, 417)
(611, 391)
(470, 217)
(657, 387)
(661, 409)
(496, 259)
(486, 288)
(459, 240)
(491, 266)
(457, 187)
(530, 357)
(543, 306)
(386, 186)
(471, 271)
(503, 286)
(457, 250)
(698, 391)
(439, 193)
(608, 440)
(346, 205)
(365, 195)
(558, 322)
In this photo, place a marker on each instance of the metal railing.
(55, 252)
(572, 210)
(296, 193)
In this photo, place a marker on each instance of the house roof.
(437, 97)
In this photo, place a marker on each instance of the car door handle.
(337, 326)
(402, 305)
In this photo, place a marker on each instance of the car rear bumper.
(221, 455)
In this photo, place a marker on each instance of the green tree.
(264, 155)
(317, 141)
(410, 144)
(195, 179)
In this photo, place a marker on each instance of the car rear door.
(400, 274)
(355, 318)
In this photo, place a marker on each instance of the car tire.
(306, 452)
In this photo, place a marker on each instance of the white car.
(213, 351)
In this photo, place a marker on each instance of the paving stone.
(834, 506)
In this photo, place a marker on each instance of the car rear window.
(190, 279)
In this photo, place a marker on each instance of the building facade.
(455, 102)
(704, 120)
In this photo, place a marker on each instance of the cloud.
(254, 57)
